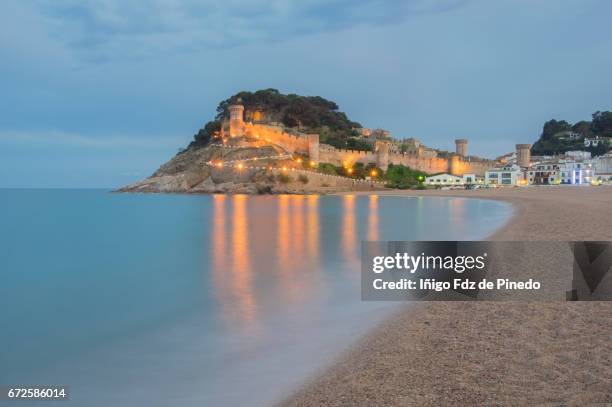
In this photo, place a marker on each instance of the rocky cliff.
(245, 169)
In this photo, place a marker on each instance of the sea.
(196, 300)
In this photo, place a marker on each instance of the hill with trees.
(559, 136)
(304, 113)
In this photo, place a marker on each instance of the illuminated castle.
(383, 154)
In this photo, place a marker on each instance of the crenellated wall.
(309, 144)
(343, 157)
(455, 165)
(276, 135)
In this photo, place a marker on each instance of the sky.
(99, 93)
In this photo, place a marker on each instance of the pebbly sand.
(489, 353)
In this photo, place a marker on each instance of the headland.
(267, 142)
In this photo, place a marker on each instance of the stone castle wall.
(276, 135)
(309, 144)
(454, 165)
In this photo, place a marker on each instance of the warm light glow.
(299, 160)
(220, 164)
(284, 168)
(313, 226)
(349, 227)
(373, 173)
(230, 264)
(373, 218)
(240, 166)
(350, 170)
(312, 164)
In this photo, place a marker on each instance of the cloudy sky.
(98, 93)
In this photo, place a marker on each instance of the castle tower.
(313, 147)
(236, 119)
(382, 154)
(461, 147)
(455, 165)
(523, 155)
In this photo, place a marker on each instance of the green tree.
(602, 124)
(205, 134)
(402, 177)
(553, 127)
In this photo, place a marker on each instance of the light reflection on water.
(208, 300)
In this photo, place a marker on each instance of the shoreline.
(493, 353)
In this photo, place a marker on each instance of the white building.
(575, 172)
(603, 168)
(578, 155)
(543, 173)
(443, 180)
(504, 176)
(472, 179)
(565, 171)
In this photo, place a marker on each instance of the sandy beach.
(553, 353)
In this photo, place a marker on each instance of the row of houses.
(573, 168)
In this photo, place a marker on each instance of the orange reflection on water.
(219, 237)
(348, 227)
(232, 268)
(291, 243)
(297, 237)
(283, 237)
(313, 228)
(373, 218)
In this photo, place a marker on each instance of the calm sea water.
(158, 300)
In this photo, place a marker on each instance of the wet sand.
(489, 353)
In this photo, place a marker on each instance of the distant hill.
(307, 113)
(559, 136)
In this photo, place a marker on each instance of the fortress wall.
(478, 167)
(275, 135)
(341, 156)
(430, 165)
(309, 144)
(433, 165)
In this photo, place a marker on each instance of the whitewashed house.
(575, 172)
(504, 176)
(443, 180)
(472, 179)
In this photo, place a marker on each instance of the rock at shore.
(195, 170)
